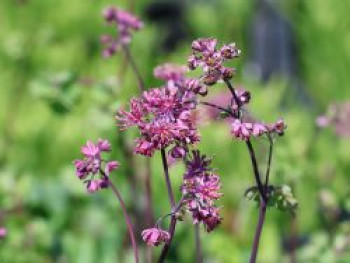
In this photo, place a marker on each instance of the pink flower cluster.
(245, 130)
(201, 188)
(3, 232)
(170, 72)
(162, 115)
(92, 165)
(163, 118)
(125, 23)
(338, 118)
(155, 236)
(206, 55)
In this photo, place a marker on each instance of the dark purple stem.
(256, 171)
(172, 203)
(199, 257)
(250, 148)
(233, 92)
(262, 212)
(127, 220)
(262, 189)
(167, 179)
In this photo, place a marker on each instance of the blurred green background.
(57, 92)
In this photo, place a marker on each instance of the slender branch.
(268, 163)
(217, 107)
(233, 92)
(167, 245)
(134, 67)
(199, 257)
(262, 213)
(127, 219)
(172, 203)
(167, 179)
(171, 228)
(173, 211)
(256, 171)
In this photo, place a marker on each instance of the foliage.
(51, 219)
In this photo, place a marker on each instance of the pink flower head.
(111, 166)
(103, 145)
(205, 45)
(201, 188)
(125, 24)
(338, 118)
(244, 130)
(206, 56)
(177, 152)
(3, 232)
(170, 72)
(90, 149)
(322, 121)
(155, 236)
(278, 127)
(122, 18)
(93, 186)
(241, 130)
(161, 115)
(230, 51)
(92, 165)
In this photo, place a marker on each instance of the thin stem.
(167, 179)
(256, 171)
(134, 67)
(217, 107)
(173, 211)
(262, 212)
(268, 163)
(199, 257)
(172, 203)
(171, 229)
(127, 220)
(233, 92)
(167, 245)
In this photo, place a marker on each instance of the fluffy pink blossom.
(337, 118)
(163, 119)
(170, 71)
(125, 23)
(155, 236)
(201, 187)
(207, 56)
(92, 165)
(245, 130)
(3, 232)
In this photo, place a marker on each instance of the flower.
(201, 189)
(241, 130)
(338, 118)
(3, 232)
(125, 23)
(92, 165)
(155, 236)
(206, 55)
(170, 71)
(244, 130)
(163, 119)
